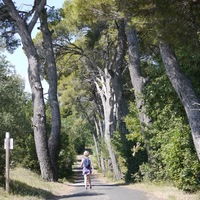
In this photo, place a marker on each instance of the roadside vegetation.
(164, 192)
(29, 185)
(25, 185)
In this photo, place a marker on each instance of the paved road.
(100, 190)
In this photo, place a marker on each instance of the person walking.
(87, 166)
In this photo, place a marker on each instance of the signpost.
(8, 144)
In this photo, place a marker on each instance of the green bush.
(172, 156)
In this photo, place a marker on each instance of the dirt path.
(101, 190)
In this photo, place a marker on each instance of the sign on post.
(11, 144)
(8, 144)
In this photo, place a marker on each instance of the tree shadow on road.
(79, 194)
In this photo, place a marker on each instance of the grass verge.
(163, 192)
(156, 191)
(25, 185)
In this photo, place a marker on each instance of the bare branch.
(38, 9)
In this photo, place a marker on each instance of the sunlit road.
(100, 190)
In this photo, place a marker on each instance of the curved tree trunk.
(184, 90)
(39, 116)
(138, 82)
(53, 142)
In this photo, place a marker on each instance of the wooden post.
(7, 160)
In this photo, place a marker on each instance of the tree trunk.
(39, 116)
(97, 142)
(99, 131)
(53, 142)
(117, 79)
(101, 139)
(184, 90)
(138, 82)
(105, 91)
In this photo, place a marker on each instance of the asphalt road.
(100, 190)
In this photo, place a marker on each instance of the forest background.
(127, 82)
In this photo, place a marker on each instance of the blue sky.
(18, 58)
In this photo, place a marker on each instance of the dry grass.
(155, 192)
(28, 185)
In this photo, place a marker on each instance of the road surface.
(100, 189)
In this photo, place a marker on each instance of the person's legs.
(85, 180)
(89, 180)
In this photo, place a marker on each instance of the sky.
(18, 58)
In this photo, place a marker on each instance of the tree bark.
(53, 142)
(184, 90)
(138, 82)
(39, 115)
(106, 93)
(117, 80)
(99, 139)
(96, 144)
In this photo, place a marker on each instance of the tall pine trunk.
(117, 80)
(184, 90)
(53, 142)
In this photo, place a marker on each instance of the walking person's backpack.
(87, 163)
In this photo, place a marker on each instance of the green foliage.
(129, 163)
(7, 30)
(14, 110)
(67, 156)
(24, 153)
(173, 157)
(189, 58)
(140, 156)
(133, 124)
(119, 149)
(179, 157)
(80, 13)
(75, 134)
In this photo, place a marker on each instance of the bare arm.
(91, 164)
(82, 162)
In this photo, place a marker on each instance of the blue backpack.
(87, 163)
